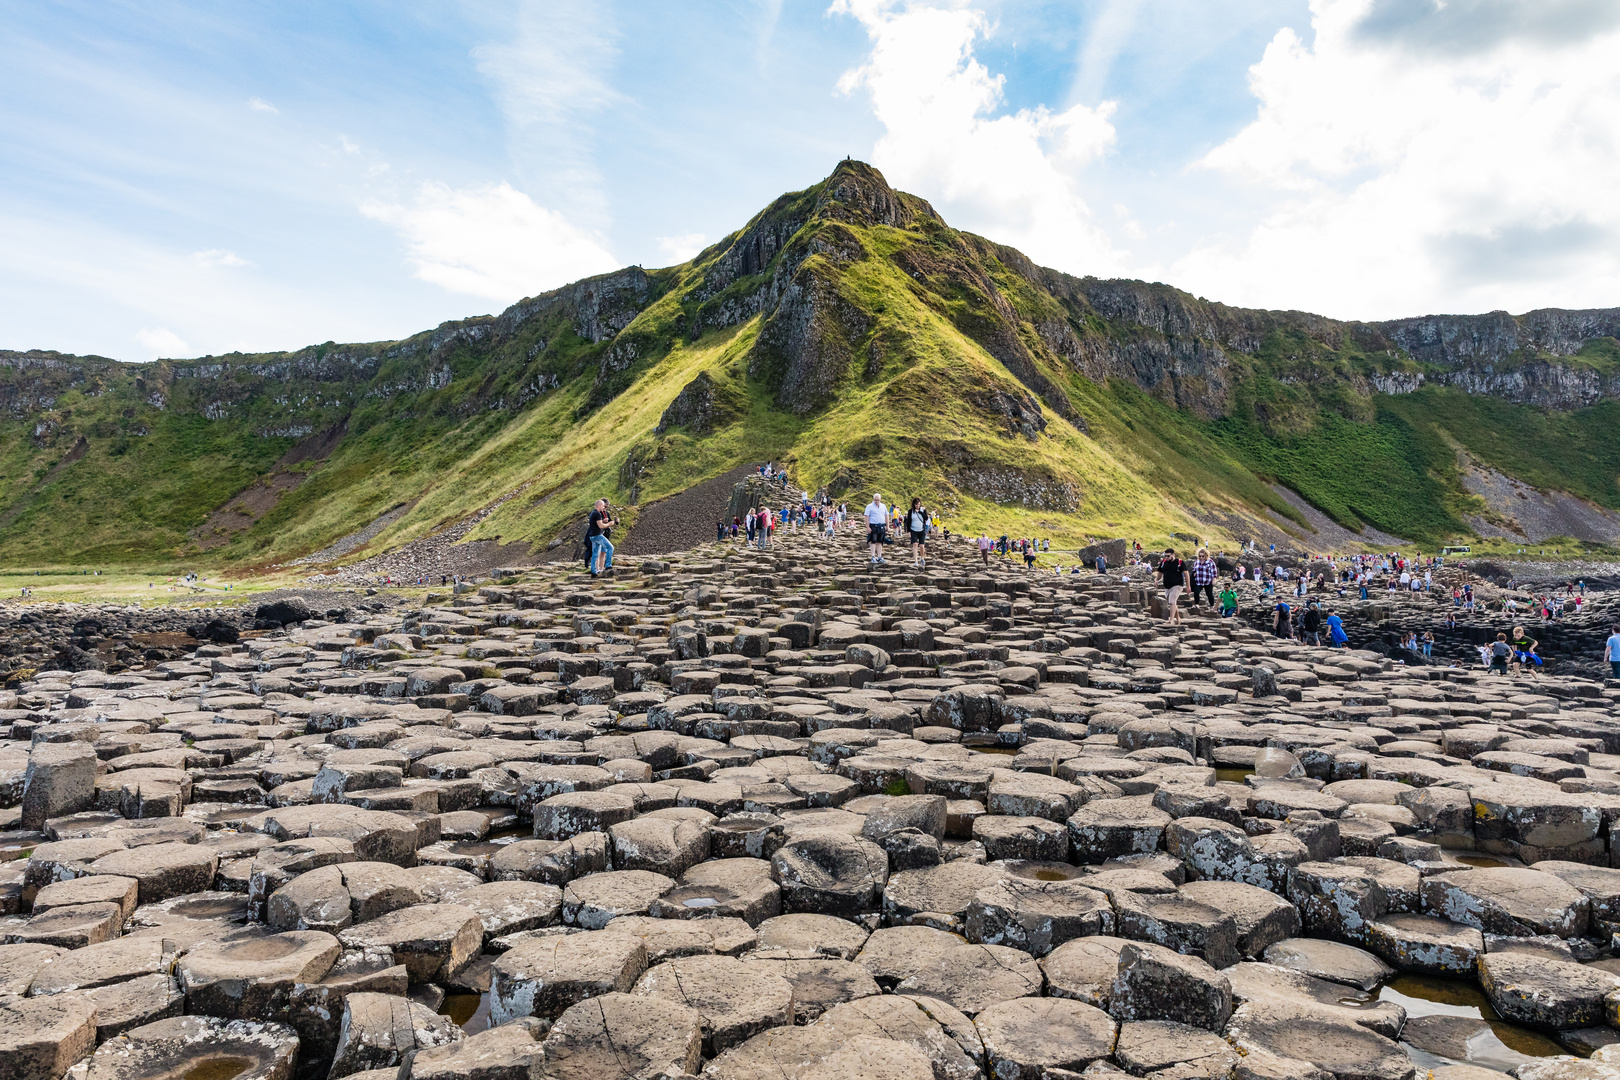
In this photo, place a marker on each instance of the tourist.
(1203, 577)
(1611, 650)
(984, 545)
(1310, 625)
(1173, 572)
(1524, 653)
(1282, 623)
(1428, 644)
(1500, 651)
(1336, 632)
(1029, 555)
(877, 523)
(1229, 602)
(597, 536)
(917, 526)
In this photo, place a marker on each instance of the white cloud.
(1420, 156)
(677, 249)
(1011, 176)
(161, 342)
(219, 257)
(261, 105)
(550, 76)
(492, 241)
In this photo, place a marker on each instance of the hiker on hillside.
(877, 522)
(1173, 572)
(596, 535)
(917, 526)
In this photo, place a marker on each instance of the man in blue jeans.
(1611, 651)
(597, 535)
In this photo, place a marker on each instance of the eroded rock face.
(782, 813)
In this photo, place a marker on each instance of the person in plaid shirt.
(1203, 577)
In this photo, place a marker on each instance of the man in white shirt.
(877, 521)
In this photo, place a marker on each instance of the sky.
(180, 178)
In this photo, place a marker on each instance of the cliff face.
(847, 302)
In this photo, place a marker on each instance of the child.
(1500, 651)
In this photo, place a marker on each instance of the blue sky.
(179, 179)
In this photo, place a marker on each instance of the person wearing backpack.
(917, 526)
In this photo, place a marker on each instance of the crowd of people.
(1291, 601)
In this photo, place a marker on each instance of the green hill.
(851, 333)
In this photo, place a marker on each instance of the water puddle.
(1451, 1022)
(469, 1012)
(1233, 776)
(1007, 751)
(218, 1068)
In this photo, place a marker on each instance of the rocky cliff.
(846, 327)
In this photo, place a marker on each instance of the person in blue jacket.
(1336, 631)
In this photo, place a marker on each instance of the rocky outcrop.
(806, 346)
(699, 406)
(1007, 486)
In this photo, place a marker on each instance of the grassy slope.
(904, 420)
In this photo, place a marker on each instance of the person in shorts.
(917, 526)
(1173, 572)
(877, 524)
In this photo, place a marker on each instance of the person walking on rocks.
(1203, 577)
(1611, 650)
(983, 544)
(917, 526)
(1173, 572)
(877, 522)
(1310, 624)
(597, 536)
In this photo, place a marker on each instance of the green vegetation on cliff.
(848, 332)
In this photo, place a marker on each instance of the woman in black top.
(917, 526)
(1173, 572)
